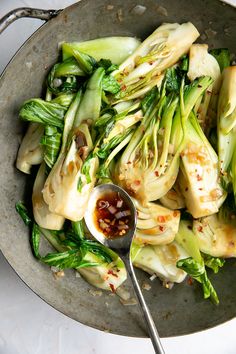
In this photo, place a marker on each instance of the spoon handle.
(156, 342)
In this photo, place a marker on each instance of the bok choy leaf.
(117, 49)
(51, 141)
(222, 56)
(197, 271)
(39, 111)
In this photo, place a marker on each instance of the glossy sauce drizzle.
(112, 215)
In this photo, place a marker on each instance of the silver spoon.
(122, 246)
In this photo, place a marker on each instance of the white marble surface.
(30, 326)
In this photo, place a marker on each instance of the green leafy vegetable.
(51, 141)
(68, 259)
(173, 79)
(78, 229)
(147, 168)
(85, 61)
(73, 176)
(116, 49)
(187, 239)
(107, 65)
(184, 63)
(68, 83)
(23, 212)
(86, 167)
(222, 55)
(35, 234)
(156, 225)
(68, 67)
(197, 271)
(110, 84)
(64, 99)
(149, 99)
(40, 111)
(226, 127)
(214, 263)
(35, 239)
(90, 105)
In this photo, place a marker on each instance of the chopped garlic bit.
(146, 286)
(58, 274)
(139, 10)
(154, 276)
(95, 292)
(132, 301)
(123, 293)
(167, 284)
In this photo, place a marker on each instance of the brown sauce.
(112, 215)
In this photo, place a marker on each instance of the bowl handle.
(26, 12)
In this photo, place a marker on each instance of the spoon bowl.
(120, 244)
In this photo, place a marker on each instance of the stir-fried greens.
(157, 118)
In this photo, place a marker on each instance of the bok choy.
(30, 151)
(157, 118)
(163, 48)
(156, 225)
(160, 260)
(97, 264)
(194, 264)
(68, 185)
(226, 129)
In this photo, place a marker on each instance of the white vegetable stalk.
(173, 199)
(121, 126)
(226, 129)
(199, 177)
(215, 236)
(201, 63)
(187, 239)
(227, 100)
(68, 186)
(30, 151)
(226, 150)
(106, 276)
(43, 217)
(156, 225)
(160, 260)
(61, 191)
(160, 50)
(195, 264)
